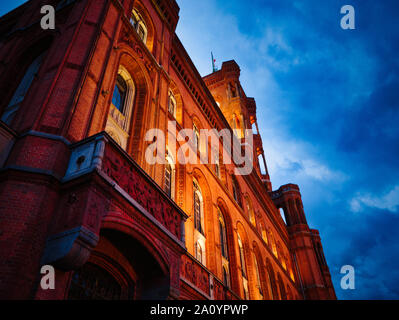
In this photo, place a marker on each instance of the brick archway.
(208, 218)
(107, 275)
(248, 259)
(147, 278)
(230, 245)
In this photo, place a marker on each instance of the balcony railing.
(100, 153)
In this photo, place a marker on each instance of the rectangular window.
(168, 180)
(141, 32)
(217, 166)
(172, 105)
(197, 212)
(196, 138)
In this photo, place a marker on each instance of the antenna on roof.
(214, 68)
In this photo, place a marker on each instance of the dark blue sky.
(328, 112)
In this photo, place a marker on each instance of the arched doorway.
(92, 282)
(120, 268)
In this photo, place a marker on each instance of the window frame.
(236, 191)
(22, 89)
(121, 82)
(223, 236)
(199, 252)
(197, 139)
(258, 278)
(137, 21)
(172, 178)
(198, 213)
(242, 257)
(172, 101)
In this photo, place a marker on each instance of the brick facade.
(76, 191)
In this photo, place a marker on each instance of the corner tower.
(239, 110)
(305, 244)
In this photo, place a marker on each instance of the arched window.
(250, 210)
(21, 91)
(282, 215)
(264, 233)
(291, 273)
(273, 243)
(121, 110)
(226, 277)
(258, 282)
(172, 104)
(170, 174)
(236, 126)
(217, 164)
(269, 284)
(242, 258)
(236, 191)
(224, 248)
(120, 91)
(198, 209)
(284, 262)
(198, 252)
(168, 179)
(138, 23)
(233, 90)
(223, 237)
(196, 138)
(243, 268)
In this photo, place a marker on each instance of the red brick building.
(76, 190)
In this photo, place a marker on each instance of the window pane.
(168, 180)
(133, 21)
(196, 138)
(225, 277)
(141, 32)
(172, 105)
(197, 212)
(22, 90)
(118, 99)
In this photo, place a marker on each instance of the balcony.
(101, 161)
(102, 155)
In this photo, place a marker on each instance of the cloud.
(328, 112)
(389, 201)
